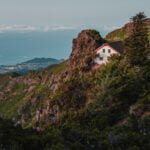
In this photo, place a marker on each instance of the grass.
(9, 107)
(57, 69)
(4, 79)
(119, 34)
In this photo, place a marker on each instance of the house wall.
(102, 57)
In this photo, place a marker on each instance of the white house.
(106, 50)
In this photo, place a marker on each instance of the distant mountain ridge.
(30, 65)
(41, 60)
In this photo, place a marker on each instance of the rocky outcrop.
(36, 95)
(83, 49)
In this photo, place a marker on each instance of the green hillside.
(101, 110)
(122, 33)
(71, 106)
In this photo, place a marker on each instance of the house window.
(101, 58)
(97, 55)
(103, 50)
(109, 50)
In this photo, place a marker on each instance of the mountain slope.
(74, 107)
(41, 60)
(122, 33)
(31, 99)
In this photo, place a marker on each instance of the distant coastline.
(30, 65)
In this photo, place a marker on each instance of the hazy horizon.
(69, 13)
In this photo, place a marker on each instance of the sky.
(68, 14)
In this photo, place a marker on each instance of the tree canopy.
(137, 44)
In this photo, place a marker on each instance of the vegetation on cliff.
(122, 33)
(74, 107)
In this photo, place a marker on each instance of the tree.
(137, 44)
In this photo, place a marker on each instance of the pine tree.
(137, 44)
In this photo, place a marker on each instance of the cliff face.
(33, 98)
(25, 99)
(87, 40)
(122, 33)
(83, 49)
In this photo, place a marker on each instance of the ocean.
(19, 47)
(16, 47)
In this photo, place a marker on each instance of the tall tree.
(137, 44)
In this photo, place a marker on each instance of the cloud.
(58, 28)
(14, 28)
(26, 28)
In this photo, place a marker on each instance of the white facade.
(103, 53)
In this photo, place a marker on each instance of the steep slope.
(41, 96)
(83, 49)
(75, 107)
(122, 33)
